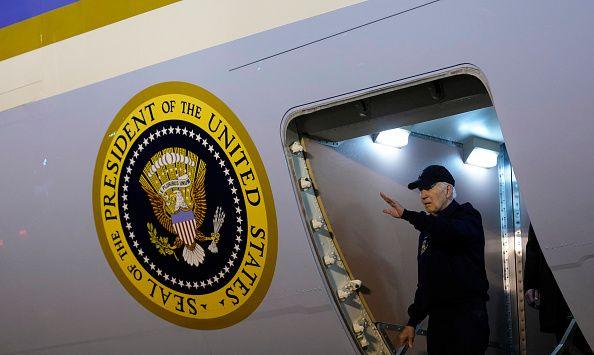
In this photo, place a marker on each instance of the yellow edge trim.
(69, 21)
(331, 230)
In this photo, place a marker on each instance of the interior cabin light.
(396, 137)
(480, 152)
(484, 158)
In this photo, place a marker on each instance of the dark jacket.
(553, 311)
(451, 259)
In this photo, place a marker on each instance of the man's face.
(435, 198)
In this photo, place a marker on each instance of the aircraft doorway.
(341, 171)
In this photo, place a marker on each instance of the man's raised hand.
(395, 210)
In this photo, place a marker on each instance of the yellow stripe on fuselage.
(149, 38)
(68, 21)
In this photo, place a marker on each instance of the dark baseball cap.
(431, 175)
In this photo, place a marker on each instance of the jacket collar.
(453, 206)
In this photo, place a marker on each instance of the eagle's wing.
(199, 195)
(158, 205)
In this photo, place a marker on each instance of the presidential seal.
(183, 207)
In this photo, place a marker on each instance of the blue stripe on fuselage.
(13, 11)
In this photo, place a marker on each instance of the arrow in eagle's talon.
(213, 247)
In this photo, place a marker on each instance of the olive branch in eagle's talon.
(161, 243)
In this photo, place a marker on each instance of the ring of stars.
(231, 182)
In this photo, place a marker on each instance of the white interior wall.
(380, 250)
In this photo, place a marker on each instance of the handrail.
(382, 327)
(398, 327)
(563, 343)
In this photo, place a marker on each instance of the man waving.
(452, 282)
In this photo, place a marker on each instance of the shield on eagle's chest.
(184, 224)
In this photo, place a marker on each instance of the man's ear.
(450, 191)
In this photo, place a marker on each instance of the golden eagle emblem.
(174, 182)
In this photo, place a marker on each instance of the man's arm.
(417, 311)
(444, 229)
